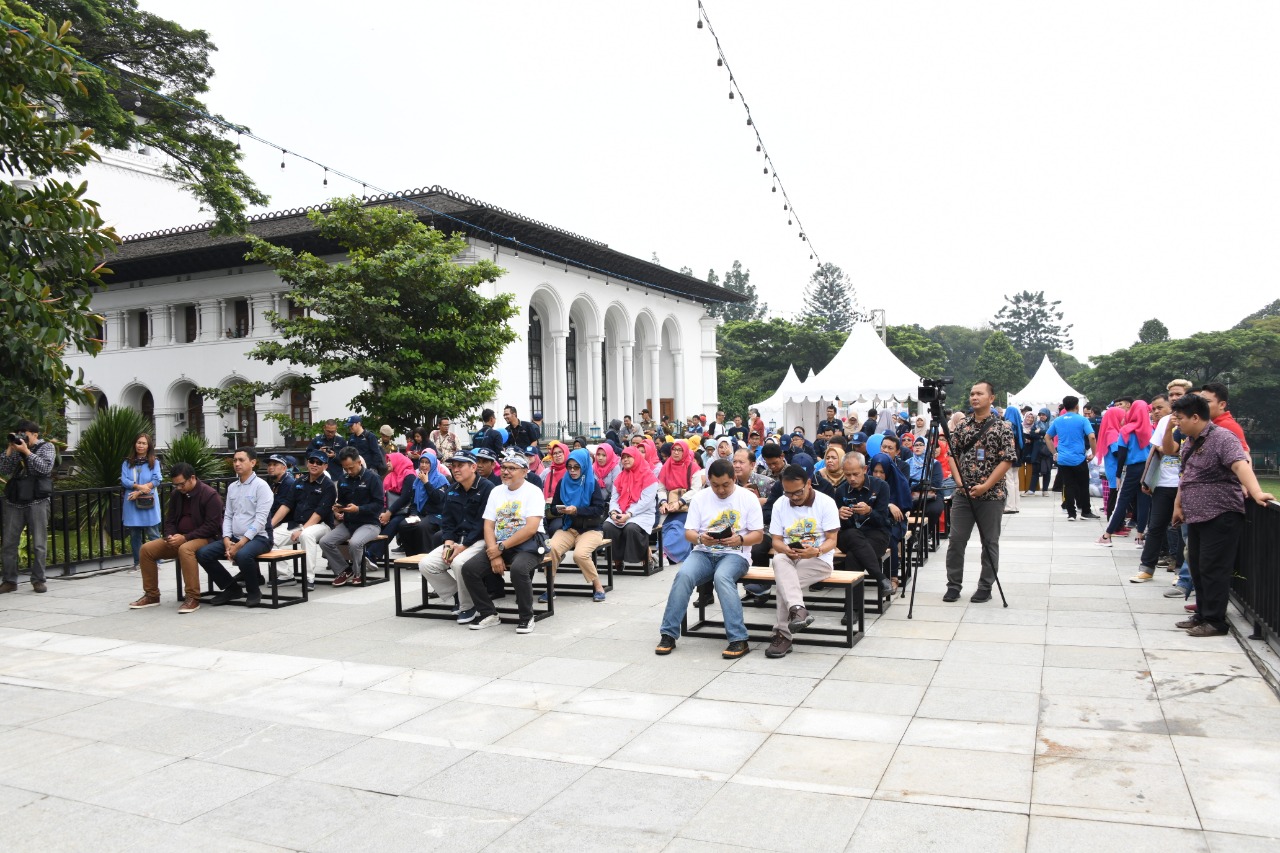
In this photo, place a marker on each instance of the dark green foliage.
(737, 280)
(916, 350)
(829, 301)
(1033, 325)
(754, 355)
(192, 448)
(1153, 332)
(104, 445)
(1000, 365)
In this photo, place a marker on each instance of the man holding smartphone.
(862, 502)
(804, 529)
(982, 451)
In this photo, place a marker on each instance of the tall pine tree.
(829, 302)
(738, 280)
(1033, 325)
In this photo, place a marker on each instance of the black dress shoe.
(231, 593)
(704, 599)
(254, 598)
(952, 595)
(981, 596)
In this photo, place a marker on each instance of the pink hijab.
(399, 466)
(1138, 423)
(602, 471)
(676, 475)
(632, 481)
(1109, 429)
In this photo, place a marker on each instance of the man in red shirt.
(1216, 394)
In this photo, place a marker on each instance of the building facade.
(601, 333)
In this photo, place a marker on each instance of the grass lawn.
(1270, 484)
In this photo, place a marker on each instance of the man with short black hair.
(488, 436)
(629, 430)
(891, 446)
(520, 434)
(832, 423)
(246, 532)
(194, 518)
(738, 432)
(367, 446)
(871, 425)
(804, 529)
(1215, 476)
(314, 497)
(1071, 440)
(28, 464)
(1217, 396)
(360, 500)
(329, 443)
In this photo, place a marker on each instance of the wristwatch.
(502, 546)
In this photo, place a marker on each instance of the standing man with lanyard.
(28, 464)
(983, 451)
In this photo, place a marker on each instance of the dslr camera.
(934, 390)
(14, 438)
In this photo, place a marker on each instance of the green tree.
(54, 238)
(136, 49)
(829, 300)
(916, 350)
(752, 350)
(1153, 332)
(1266, 312)
(962, 345)
(738, 280)
(399, 314)
(1033, 325)
(1000, 365)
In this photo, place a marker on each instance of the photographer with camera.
(27, 464)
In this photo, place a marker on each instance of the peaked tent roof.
(1045, 390)
(864, 367)
(774, 403)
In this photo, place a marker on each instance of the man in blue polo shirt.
(1075, 445)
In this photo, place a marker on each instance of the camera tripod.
(937, 426)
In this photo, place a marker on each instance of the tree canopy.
(738, 280)
(1153, 332)
(829, 302)
(914, 348)
(1000, 365)
(399, 314)
(754, 355)
(1033, 325)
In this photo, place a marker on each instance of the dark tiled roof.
(194, 248)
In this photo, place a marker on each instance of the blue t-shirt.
(1072, 431)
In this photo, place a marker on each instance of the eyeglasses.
(574, 466)
(796, 494)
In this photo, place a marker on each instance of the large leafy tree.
(398, 314)
(754, 355)
(1033, 325)
(738, 280)
(828, 301)
(1153, 332)
(136, 49)
(962, 345)
(916, 350)
(54, 239)
(1000, 365)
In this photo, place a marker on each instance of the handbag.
(146, 501)
(1151, 474)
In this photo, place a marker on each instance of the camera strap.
(977, 436)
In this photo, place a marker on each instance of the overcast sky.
(1119, 156)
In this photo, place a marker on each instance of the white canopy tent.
(773, 408)
(1045, 390)
(864, 369)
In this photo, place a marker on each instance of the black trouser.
(1075, 488)
(863, 548)
(1211, 555)
(1040, 474)
(521, 564)
(1130, 488)
(1158, 526)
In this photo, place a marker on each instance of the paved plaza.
(1077, 719)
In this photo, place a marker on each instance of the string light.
(735, 93)
(242, 132)
(282, 153)
(326, 176)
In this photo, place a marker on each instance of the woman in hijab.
(723, 448)
(1111, 452)
(1011, 500)
(829, 478)
(679, 479)
(579, 442)
(633, 509)
(1134, 436)
(943, 455)
(614, 441)
(576, 514)
(1038, 455)
(651, 455)
(695, 444)
(606, 466)
(559, 458)
(882, 466)
(928, 483)
(421, 498)
(399, 468)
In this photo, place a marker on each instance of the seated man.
(462, 526)
(863, 504)
(891, 446)
(487, 466)
(283, 498)
(246, 532)
(193, 520)
(804, 529)
(512, 521)
(724, 521)
(316, 493)
(360, 500)
(798, 445)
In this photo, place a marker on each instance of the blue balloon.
(502, 431)
(873, 444)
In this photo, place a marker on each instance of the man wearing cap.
(858, 443)
(360, 499)
(903, 423)
(512, 521)
(329, 443)
(798, 445)
(520, 434)
(314, 497)
(532, 452)
(283, 498)
(366, 445)
(386, 439)
(486, 465)
(462, 525)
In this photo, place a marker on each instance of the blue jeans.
(700, 567)
(210, 558)
(1184, 569)
(139, 536)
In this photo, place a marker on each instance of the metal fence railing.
(86, 527)
(1255, 588)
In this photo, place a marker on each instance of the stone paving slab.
(1077, 718)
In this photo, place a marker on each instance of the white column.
(111, 327)
(122, 328)
(595, 347)
(259, 305)
(210, 311)
(710, 390)
(171, 311)
(677, 366)
(655, 395)
(559, 411)
(628, 381)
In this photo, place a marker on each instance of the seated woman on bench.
(576, 515)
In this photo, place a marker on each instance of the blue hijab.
(579, 492)
(1014, 417)
(435, 480)
(899, 488)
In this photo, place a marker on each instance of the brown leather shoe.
(1204, 629)
(8, 586)
(190, 604)
(1187, 623)
(799, 618)
(39, 586)
(145, 601)
(780, 647)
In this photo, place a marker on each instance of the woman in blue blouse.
(140, 476)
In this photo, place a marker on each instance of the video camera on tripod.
(934, 390)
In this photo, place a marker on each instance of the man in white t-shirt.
(723, 522)
(512, 519)
(1163, 495)
(804, 529)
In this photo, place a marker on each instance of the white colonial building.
(602, 334)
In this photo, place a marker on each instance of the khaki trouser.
(185, 554)
(445, 578)
(583, 544)
(790, 579)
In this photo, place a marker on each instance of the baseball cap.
(486, 453)
(276, 457)
(386, 430)
(354, 419)
(317, 456)
(464, 456)
(532, 450)
(537, 416)
(858, 438)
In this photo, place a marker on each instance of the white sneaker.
(486, 622)
(525, 627)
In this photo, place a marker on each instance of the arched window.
(195, 412)
(246, 424)
(300, 410)
(571, 375)
(148, 406)
(535, 362)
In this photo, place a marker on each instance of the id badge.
(982, 454)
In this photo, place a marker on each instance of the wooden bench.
(365, 578)
(270, 561)
(435, 607)
(875, 599)
(852, 606)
